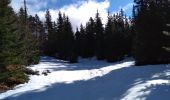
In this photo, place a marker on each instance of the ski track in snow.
(41, 82)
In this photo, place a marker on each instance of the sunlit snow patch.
(40, 82)
(140, 90)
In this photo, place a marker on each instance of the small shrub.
(31, 72)
(13, 76)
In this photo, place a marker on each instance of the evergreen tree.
(90, 38)
(150, 22)
(78, 42)
(70, 42)
(99, 42)
(15, 47)
(109, 28)
(50, 44)
(40, 33)
(37, 29)
(82, 41)
(29, 42)
(128, 38)
(9, 42)
(117, 37)
(59, 37)
(64, 39)
(68, 37)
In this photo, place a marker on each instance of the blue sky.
(79, 11)
(57, 4)
(115, 4)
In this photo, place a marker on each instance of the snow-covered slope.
(94, 80)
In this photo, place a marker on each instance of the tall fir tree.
(37, 29)
(117, 37)
(59, 36)
(149, 26)
(30, 45)
(15, 47)
(90, 38)
(82, 41)
(40, 33)
(9, 43)
(78, 42)
(68, 37)
(99, 31)
(108, 40)
(50, 43)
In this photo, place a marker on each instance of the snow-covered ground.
(94, 80)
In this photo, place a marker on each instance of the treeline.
(111, 42)
(145, 37)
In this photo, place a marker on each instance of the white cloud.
(81, 11)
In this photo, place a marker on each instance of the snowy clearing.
(94, 80)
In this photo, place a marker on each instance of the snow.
(93, 80)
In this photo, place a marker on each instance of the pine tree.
(90, 38)
(128, 32)
(149, 26)
(70, 42)
(68, 37)
(29, 43)
(59, 37)
(82, 41)
(78, 42)
(15, 49)
(166, 30)
(50, 44)
(64, 39)
(40, 33)
(9, 43)
(109, 28)
(99, 31)
(117, 37)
